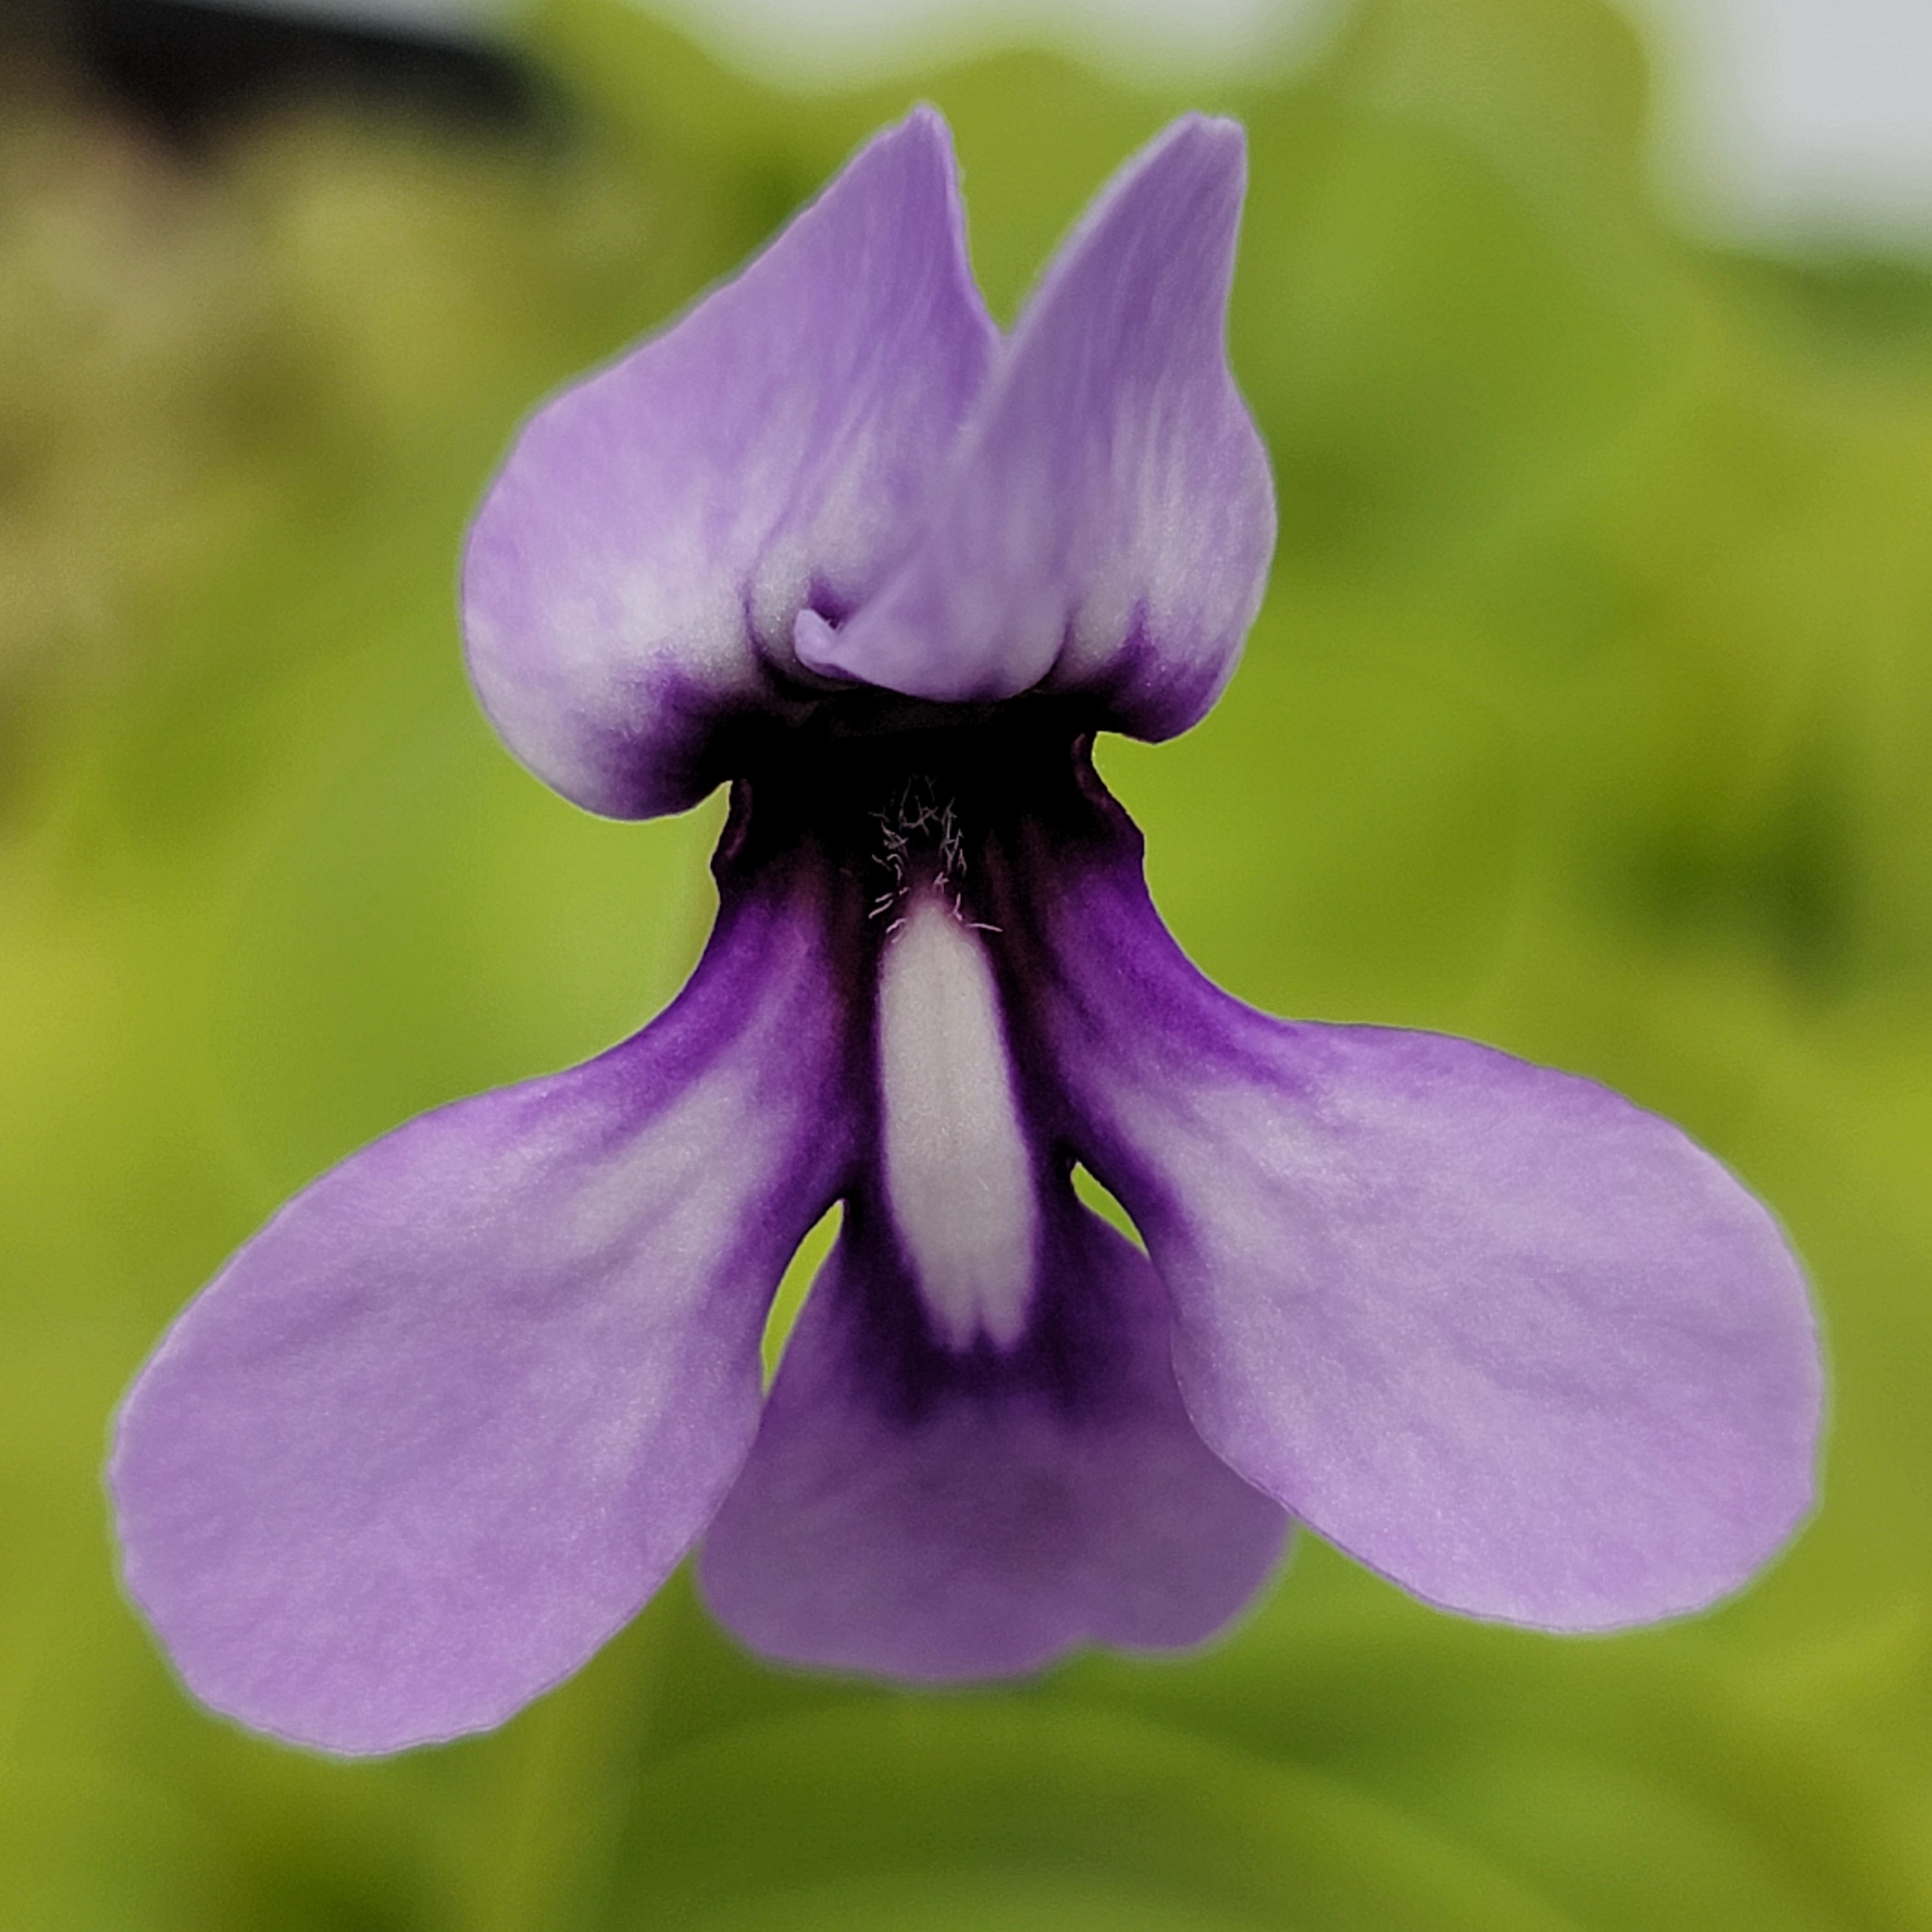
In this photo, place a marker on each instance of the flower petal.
(1109, 520)
(452, 1416)
(925, 1514)
(1520, 1346)
(634, 575)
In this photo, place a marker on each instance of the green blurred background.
(1588, 714)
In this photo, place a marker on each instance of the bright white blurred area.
(817, 41)
(1782, 120)
(1792, 120)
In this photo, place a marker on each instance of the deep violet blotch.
(445, 1423)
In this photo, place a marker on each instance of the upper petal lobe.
(1108, 520)
(635, 572)
(449, 1420)
(1499, 1334)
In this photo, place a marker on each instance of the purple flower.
(448, 1421)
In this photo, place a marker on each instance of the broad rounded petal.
(921, 1514)
(634, 575)
(451, 1417)
(1514, 1343)
(1109, 520)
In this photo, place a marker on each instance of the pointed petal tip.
(1213, 147)
(1218, 135)
(911, 162)
(926, 122)
(919, 141)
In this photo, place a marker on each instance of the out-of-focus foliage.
(1589, 714)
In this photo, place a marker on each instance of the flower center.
(959, 1174)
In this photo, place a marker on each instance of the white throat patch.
(958, 1175)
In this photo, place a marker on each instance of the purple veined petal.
(636, 570)
(444, 1425)
(924, 1515)
(1108, 521)
(1511, 1341)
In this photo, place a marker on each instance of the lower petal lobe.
(452, 1416)
(1498, 1333)
(928, 1513)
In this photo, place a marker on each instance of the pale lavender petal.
(1107, 522)
(453, 1415)
(634, 574)
(1520, 1346)
(928, 1516)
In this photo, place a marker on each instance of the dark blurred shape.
(192, 69)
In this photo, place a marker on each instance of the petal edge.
(633, 575)
(1109, 516)
(450, 1417)
(1503, 1336)
(935, 1517)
